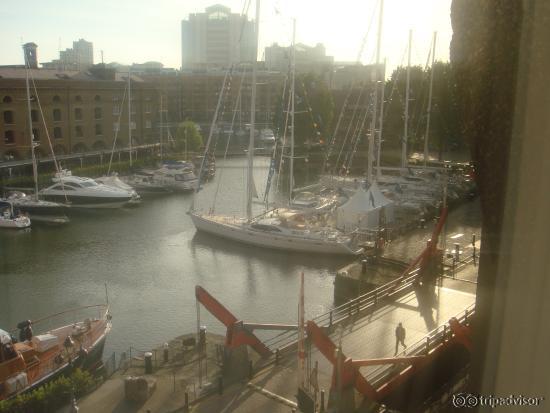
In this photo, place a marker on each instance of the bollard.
(220, 385)
(165, 353)
(148, 362)
(363, 267)
(250, 370)
(186, 405)
(322, 407)
(277, 357)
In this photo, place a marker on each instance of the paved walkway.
(369, 337)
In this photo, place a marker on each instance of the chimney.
(31, 59)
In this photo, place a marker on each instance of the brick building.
(82, 111)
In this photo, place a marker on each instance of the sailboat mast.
(407, 95)
(375, 109)
(161, 126)
(250, 180)
(292, 100)
(380, 128)
(430, 101)
(129, 118)
(31, 134)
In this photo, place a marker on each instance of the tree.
(188, 137)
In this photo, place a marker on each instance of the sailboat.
(284, 230)
(40, 210)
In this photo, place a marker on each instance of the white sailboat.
(285, 230)
(40, 210)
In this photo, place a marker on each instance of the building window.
(34, 115)
(132, 125)
(116, 127)
(57, 115)
(97, 113)
(97, 98)
(57, 134)
(98, 129)
(78, 114)
(78, 98)
(78, 131)
(147, 107)
(148, 124)
(35, 134)
(116, 109)
(9, 137)
(8, 117)
(56, 99)
(7, 99)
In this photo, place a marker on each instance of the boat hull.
(89, 202)
(241, 233)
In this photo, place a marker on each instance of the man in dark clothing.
(399, 337)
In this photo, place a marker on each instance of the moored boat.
(32, 360)
(10, 219)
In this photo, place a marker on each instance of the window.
(36, 134)
(78, 98)
(9, 137)
(98, 129)
(97, 113)
(97, 98)
(148, 124)
(116, 127)
(78, 114)
(62, 188)
(34, 115)
(116, 109)
(8, 117)
(57, 134)
(133, 125)
(147, 107)
(56, 99)
(7, 99)
(78, 131)
(57, 115)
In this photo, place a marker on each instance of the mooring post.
(322, 406)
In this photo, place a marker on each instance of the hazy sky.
(142, 30)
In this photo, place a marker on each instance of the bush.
(52, 396)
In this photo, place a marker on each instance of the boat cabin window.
(88, 184)
(262, 227)
(63, 188)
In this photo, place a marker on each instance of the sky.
(136, 31)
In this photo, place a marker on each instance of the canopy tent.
(366, 209)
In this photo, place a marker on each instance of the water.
(151, 258)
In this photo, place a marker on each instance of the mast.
(379, 149)
(407, 94)
(31, 134)
(161, 126)
(375, 109)
(292, 93)
(301, 335)
(129, 118)
(250, 180)
(430, 101)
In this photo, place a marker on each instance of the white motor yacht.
(115, 182)
(84, 193)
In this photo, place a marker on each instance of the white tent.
(364, 209)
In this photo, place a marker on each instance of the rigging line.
(209, 140)
(43, 122)
(364, 41)
(354, 141)
(419, 108)
(118, 129)
(286, 123)
(237, 103)
(361, 131)
(349, 126)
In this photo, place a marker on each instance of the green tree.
(188, 137)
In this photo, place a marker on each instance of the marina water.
(151, 259)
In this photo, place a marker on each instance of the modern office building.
(308, 59)
(80, 57)
(216, 38)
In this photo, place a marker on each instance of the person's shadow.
(425, 295)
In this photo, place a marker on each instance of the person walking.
(399, 337)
